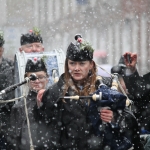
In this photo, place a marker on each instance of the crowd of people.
(81, 111)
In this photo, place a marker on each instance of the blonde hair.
(89, 84)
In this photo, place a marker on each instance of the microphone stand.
(32, 77)
(13, 87)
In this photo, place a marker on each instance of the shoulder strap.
(126, 110)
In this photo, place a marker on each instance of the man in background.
(139, 87)
(31, 42)
(20, 136)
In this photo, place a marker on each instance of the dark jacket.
(139, 89)
(20, 135)
(70, 121)
(6, 76)
(6, 80)
(125, 132)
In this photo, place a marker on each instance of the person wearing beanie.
(20, 136)
(31, 41)
(6, 80)
(78, 123)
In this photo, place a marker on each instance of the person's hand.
(39, 96)
(133, 57)
(106, 115)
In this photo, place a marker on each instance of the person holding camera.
(139, 87)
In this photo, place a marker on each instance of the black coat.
(20, 135)
(125, 132)
(139, 88)
(6, 76)
(6, 80)
(69, 122)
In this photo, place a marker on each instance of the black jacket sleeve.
(49, 105)
(138, 86)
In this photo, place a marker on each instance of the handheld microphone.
(13, 87)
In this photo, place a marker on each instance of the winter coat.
(139, 88)
(6, 80)
(124, 132)
(6, 76)
(70, 119)
(20, 135)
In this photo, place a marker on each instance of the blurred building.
(115, 26)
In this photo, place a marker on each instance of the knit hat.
(31, 37)
(35, 65)
(81, 51)
(2, 41)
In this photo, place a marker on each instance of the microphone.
(32, 77)
(13, 87)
